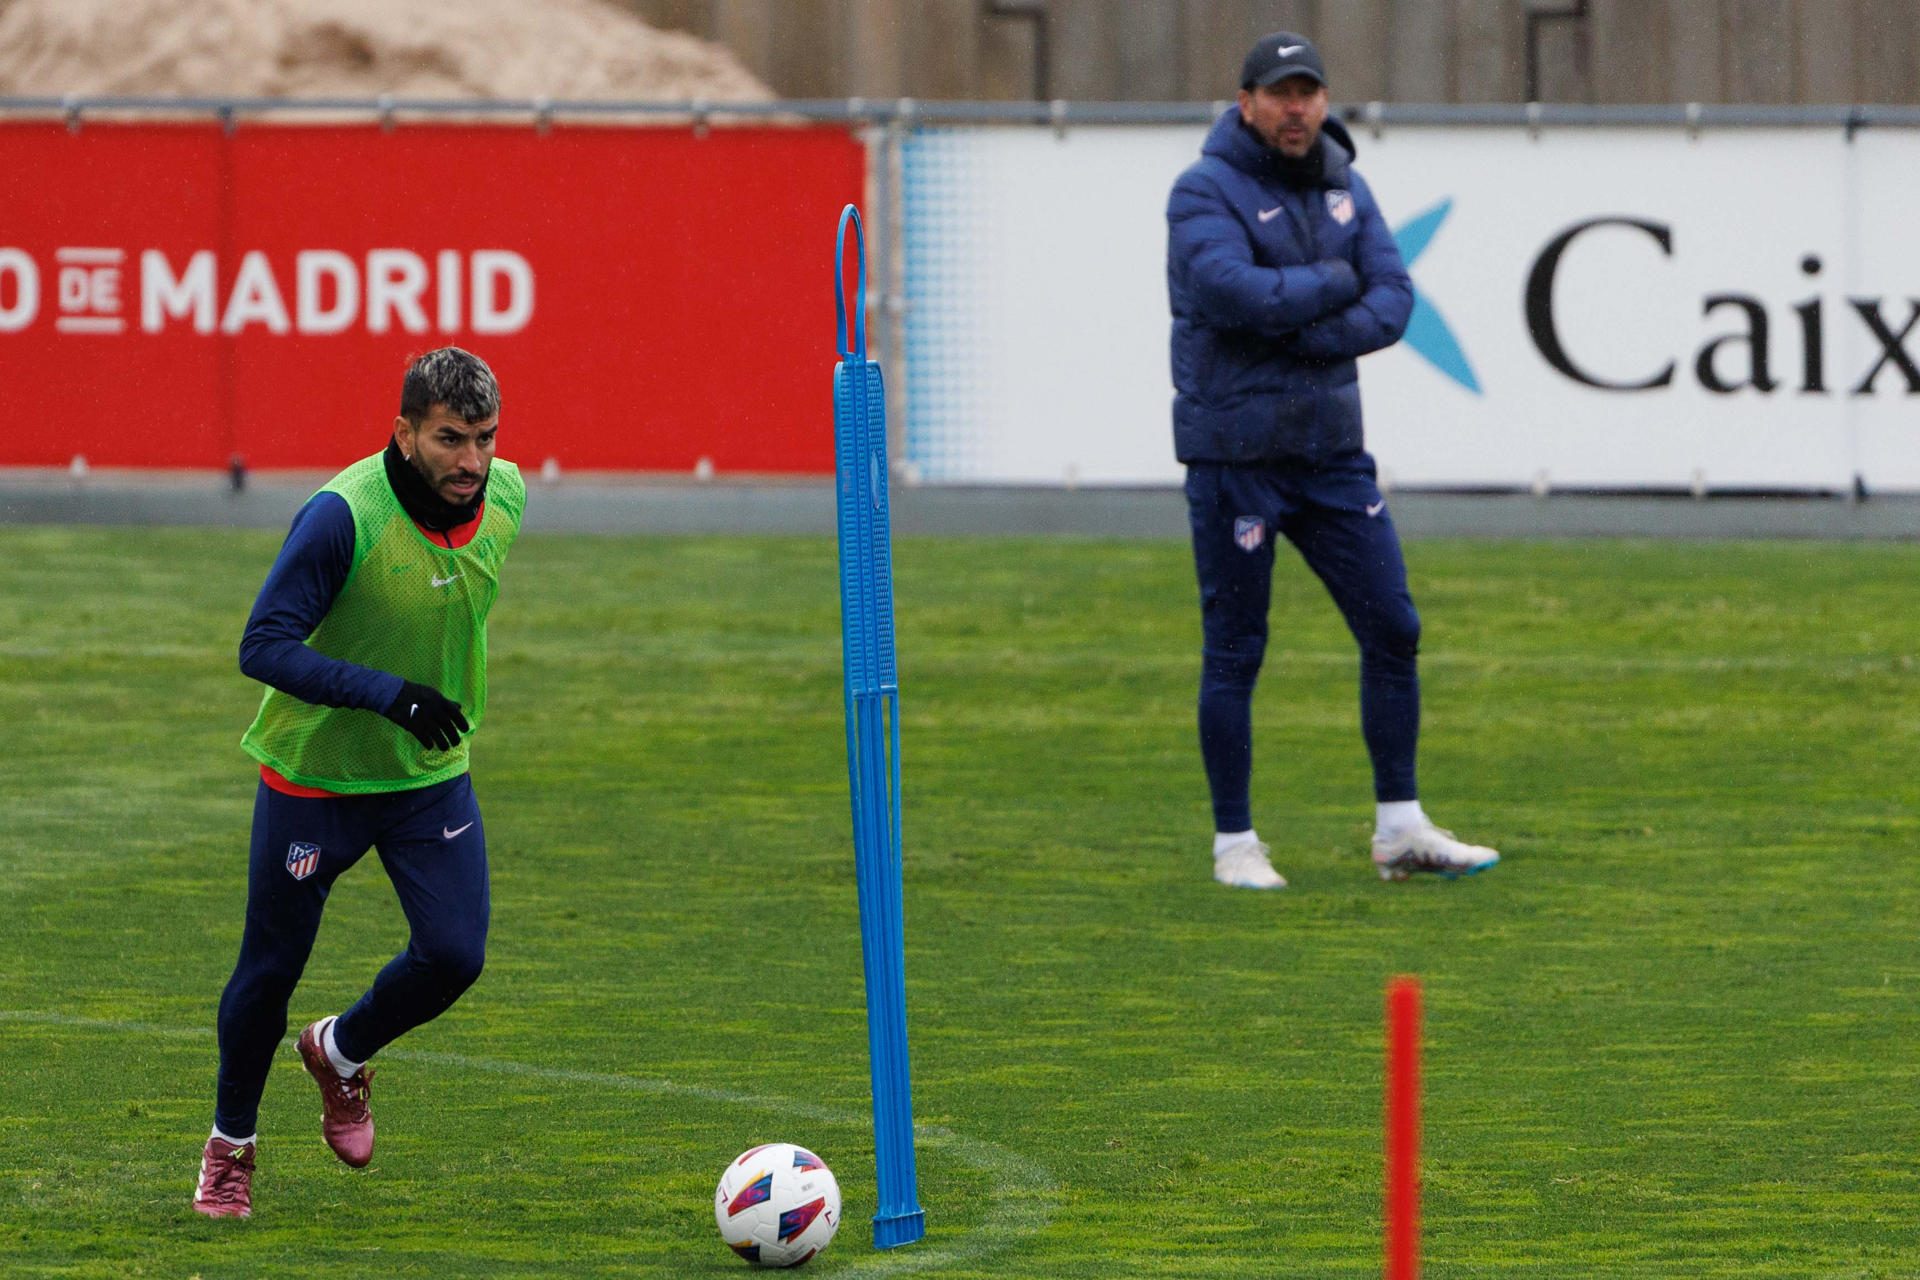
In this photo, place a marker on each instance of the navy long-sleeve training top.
(300, 588)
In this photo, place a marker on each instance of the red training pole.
(1402, 1226)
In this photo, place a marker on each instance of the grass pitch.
(1673, 1034)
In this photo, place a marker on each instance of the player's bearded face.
(452, 455)
(1287, 115)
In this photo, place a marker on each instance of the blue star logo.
(1427, 330)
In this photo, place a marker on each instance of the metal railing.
(885, 123)
(1058, 113)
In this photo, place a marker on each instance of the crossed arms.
(1320, 312)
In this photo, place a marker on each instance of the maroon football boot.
(346, 1122)
(226, 1180)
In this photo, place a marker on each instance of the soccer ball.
(777, 1205)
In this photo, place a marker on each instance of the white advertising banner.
(1597, 307)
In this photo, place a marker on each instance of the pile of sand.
(358, 48)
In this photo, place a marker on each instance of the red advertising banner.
(172, 294)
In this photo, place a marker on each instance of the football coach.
(1281, 273)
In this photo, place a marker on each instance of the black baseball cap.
(1277, 56)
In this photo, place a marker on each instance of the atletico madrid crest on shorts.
(1249, 532)
(302, 858)
(1340, 206)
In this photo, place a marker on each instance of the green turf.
(1673, 1034)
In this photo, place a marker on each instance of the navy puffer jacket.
(1276, 289)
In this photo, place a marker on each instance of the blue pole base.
(892, 1230)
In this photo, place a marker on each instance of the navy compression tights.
(434, 850)
(1357, 557)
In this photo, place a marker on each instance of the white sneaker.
(1428, 848)
(1245, 865)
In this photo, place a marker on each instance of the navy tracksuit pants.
(434, 850)
(1335, 516)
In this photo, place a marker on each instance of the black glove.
(438, 722)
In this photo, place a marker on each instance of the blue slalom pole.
(873, 738)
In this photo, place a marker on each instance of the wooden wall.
(1777, 51)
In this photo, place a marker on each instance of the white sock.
(234, 1142)
(344, 1065)
(1391, 817)
(1225, 840)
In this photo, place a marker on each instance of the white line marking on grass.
(1067, 657)
(1021, 1202)
(1617, 664)
(82, 652)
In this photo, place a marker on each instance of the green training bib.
(409, 607)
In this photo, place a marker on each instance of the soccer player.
(371, 633)
(1281, 272)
